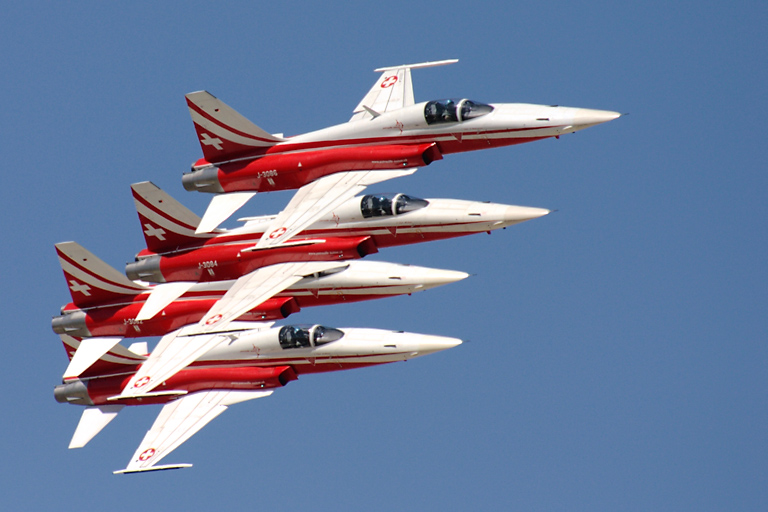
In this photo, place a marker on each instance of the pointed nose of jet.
(428, 344)
(515, 214)
(586, 117)
(432, 277)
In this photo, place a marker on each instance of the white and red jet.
(358, 227)
(389, 135)
(107, 304)
(245, 362)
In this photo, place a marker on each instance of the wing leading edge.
(312, 201)
(179, 348)
(178, 421)
(393, 89)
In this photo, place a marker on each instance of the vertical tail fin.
(91, 281)
(224, 133)
(165, 222)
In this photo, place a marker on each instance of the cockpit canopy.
(454, 110)
(299, 336)
(387, 205)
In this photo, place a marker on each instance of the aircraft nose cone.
(429, 344)
(438, 277)
(523, 213)
(584, 117)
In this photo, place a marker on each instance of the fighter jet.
(246, 363)
(358, 227)
(106, 304)
(388, 132)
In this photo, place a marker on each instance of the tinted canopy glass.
(385, 205)
(302, 336)
(454, 110)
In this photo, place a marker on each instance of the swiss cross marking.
(389, 81)
(277, 233)
(213, 320)
(153, 231)
(141, 382)
(78, 287)
(209, 141)
(147, 454)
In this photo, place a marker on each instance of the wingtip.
(166, 467)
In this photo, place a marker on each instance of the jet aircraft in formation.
(212, 295)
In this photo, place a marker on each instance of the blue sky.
(616, 355)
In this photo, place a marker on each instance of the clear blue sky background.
(617, 348)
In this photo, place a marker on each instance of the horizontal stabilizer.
(161, 296)
(221, 208)
(93, 420)
(89, 351)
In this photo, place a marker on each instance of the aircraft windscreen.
(454, 110)
(470, 109)
(322, 335)
(386, 205)
(405, 204)
(296, 336)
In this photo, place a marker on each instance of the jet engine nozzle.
(75, 392)
(145, 269)
(72, 324)
(202, 180)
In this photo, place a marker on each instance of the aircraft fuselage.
(354, 281)
(350, 232)
(395, 139)
(255, 360)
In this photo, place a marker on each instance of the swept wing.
(178, 421)
(178, 349)
(308, 204)
(312, 201)
(393, 90)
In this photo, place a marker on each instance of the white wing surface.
(172, 354)
(180, 348)
(178, 421)
(88, 352)
(312, 201)
(221, 207)
(393, 90)
(93, 420)
(252, 289)
(161, 296)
